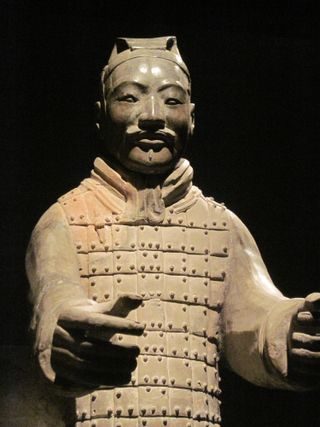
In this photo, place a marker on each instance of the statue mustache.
(135, 134)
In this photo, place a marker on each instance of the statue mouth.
(154, 141)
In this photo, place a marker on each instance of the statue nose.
(152, 116)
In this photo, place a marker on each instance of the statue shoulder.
(86, 204)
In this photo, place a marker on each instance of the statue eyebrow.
(140, 86)
(168, 85)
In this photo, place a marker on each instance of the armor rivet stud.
(176, 410)
(118, 395)
(188, 381)
(163, 411)
(146, 379)
(172, 381)
(155, 380)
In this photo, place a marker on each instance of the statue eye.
(172, 101)
(128, 98)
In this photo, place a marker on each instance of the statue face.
(148, 117)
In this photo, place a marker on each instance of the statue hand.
(305, 339)
(82, 353)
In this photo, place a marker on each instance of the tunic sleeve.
(256, 316)
(52, 271)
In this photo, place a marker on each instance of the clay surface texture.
(141, 284)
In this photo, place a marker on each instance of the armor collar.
(144, 198)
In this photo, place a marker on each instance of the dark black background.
(253, 66)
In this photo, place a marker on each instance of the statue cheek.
(178, 119)
(122, 115)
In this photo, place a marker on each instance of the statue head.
(145, 113)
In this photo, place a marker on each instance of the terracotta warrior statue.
(141, 284)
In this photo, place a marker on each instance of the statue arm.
(52, 271)
(256, 317)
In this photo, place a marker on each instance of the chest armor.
(179, 267)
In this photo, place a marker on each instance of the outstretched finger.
(113, 365)
(306, 341)
(78, 318)
(96, 349)
(312, 302)
(121, 306)
(306, 357)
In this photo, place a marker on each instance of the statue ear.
(97, 111)
(192, 117)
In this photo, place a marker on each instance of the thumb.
(312, 302)
(121, 305)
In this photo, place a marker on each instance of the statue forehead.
(147, 70)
